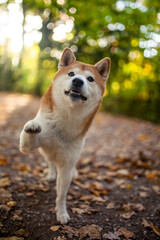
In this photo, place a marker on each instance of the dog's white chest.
(59, 129)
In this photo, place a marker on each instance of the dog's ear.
(103, 67)
(67, 58)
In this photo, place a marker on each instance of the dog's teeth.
(75, 92)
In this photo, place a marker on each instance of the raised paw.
(63, 218)
(32, 127)
(28, 137)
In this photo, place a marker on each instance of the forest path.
(115, 197)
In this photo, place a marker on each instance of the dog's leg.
(51, 176)
(29, 136)
(75, 173)
(64, 177)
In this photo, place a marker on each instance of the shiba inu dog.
(66, 112)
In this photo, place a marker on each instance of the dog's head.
(80, 83)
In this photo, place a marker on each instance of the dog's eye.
(90, 79)
(71, 74)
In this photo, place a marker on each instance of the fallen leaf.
(111, 174)
(122, 159)
(73, 191)
(127, 234)
(70, 231)
(93, 198)
(156, 189)
(140, 164)
(81, 185)
(143, 194)
(84, 208)
(78, 210)
(92, 175)
(3, 160)
(60, 238)
(97, 188)
(127, 215)
(101, 163)
(86, 160)
(85, 170)
(5, 182)
(110, 236)
(88, 209)
(55, 228)
(133, 206)
(38, 187)
(110, 205)
(122, 183)
(18, 211)
(11, 204)
(96, 185)
(93, 231)
(155, 229)
(17, 178)
(113, 167)
(145, 189)
(5, 196)
(145, 223)
(137, 206)
(108, 179)
(123, 172)
(150, 175)
(22, 167)
(30, 194)
(129, 186)
(38, 170)
(17, 217)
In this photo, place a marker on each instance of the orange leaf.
(150, 175)
(55, 228)
(3, 160)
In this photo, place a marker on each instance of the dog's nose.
(77, 82)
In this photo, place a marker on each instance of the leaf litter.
(119, 177)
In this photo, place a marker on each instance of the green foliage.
(126, 31)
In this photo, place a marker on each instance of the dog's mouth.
(75, 94)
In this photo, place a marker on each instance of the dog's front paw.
(32, 127)
(28, 136)
(63, 217)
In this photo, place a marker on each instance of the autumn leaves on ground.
(116, 195)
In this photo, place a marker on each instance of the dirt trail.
(115, 197)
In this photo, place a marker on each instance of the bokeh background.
(33, 35)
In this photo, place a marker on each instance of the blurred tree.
(126, 31)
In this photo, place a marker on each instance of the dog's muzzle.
(75, 92)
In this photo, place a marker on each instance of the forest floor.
(117, 193)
